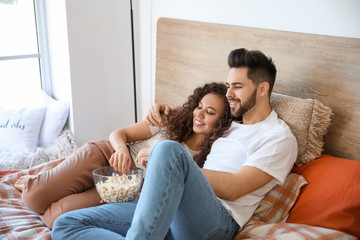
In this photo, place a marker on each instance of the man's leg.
(174, 189)
(176, 192)
(108, 221)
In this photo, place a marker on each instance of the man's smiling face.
(241, 92)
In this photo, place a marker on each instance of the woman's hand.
(143, 156)
(121, 161)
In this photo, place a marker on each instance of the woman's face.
(208, 113)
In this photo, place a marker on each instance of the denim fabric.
(176, 202)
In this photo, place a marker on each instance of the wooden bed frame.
(326, 68)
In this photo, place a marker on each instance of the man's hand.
(154, 115)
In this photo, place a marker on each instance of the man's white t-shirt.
(268, 145)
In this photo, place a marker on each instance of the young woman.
(69, 186)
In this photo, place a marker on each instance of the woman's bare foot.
(20, 183)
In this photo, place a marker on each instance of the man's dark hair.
(261, 67)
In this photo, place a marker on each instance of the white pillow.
(54, 121)
(55, 116)
(20, 128)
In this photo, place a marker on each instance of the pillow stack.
(30, 121)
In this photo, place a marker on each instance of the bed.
(315, 93)
(33, 138)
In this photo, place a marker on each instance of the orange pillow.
(332, 197)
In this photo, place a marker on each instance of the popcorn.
(119, 188)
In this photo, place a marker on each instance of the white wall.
(91, 24)
(327, 17)
(58, 49)
(100, 53)
(56, 25)
(143, 58)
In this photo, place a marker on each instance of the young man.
(180, 200)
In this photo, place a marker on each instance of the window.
(20, 45)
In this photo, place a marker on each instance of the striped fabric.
(16, 221)
(288, 231)
(276, 204)
(269, 219)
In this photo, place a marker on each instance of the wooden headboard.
(326, 68)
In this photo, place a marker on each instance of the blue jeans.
(176, 202)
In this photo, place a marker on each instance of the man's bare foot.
(20, 183)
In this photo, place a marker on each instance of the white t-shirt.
(268, 145)
(158, 135)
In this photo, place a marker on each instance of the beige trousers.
(68, 186)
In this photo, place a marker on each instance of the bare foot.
(20, 183)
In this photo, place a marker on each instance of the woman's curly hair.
(180, 120)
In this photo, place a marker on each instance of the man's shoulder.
(272, 129)
(275, 128)
(281, 133)
(278, 124)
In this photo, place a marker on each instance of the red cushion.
(332, 198)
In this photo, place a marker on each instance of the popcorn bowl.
(114, 186)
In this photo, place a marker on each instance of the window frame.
(42, 45)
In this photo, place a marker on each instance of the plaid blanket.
(268, 221)
(278, 231)
(16, 220)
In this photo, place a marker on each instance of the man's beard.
(244, 107)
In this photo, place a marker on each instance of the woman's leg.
(175, 193)
(72, 176)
